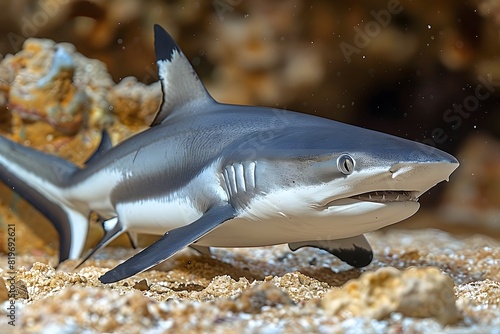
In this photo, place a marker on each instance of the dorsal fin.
(180, 84)
(104, 146)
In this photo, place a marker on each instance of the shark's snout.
(420, 177)
(424, 166)
(418, 152)
(420, 171)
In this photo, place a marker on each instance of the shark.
(208, 174)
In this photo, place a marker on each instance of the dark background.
(415, 64)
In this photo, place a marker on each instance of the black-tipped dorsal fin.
(183, 92)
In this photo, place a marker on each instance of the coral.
(415, 292)
(71, 97)
(134, 103)
(52, 97)
(249, 52)
(53, 83)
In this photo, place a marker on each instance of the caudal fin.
(40, 178)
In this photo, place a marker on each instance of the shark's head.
(359, 179)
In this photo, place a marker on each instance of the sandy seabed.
(264, 290)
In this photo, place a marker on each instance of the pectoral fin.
(355, 251)
(171, 242)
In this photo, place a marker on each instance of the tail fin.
(40, 178)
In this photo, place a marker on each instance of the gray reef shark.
(207, 174)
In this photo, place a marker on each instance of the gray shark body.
(215, 175)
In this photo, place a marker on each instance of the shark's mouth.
(379, 196)
(388, 196)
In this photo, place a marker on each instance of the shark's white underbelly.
(156, 216)
(353, 220)
(96, 190)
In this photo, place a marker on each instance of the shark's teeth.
(387, 196)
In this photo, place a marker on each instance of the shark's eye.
(345, 164)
